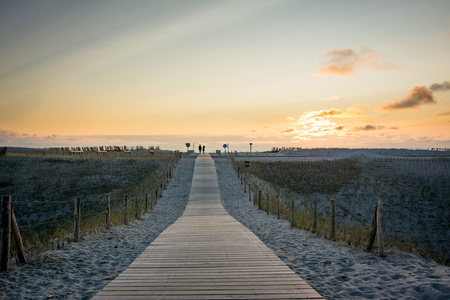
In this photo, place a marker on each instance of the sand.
(81, 269)
(334, 270)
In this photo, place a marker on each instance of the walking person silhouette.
(199, 148)
(203, 149)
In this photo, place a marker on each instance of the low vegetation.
(43, 188)
(415, 195)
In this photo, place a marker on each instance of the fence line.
(307, 218)
(56, 233)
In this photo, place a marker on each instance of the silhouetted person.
(199, 148)
(203, 149)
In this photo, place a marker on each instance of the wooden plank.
(206, 254)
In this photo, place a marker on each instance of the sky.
(352, 74)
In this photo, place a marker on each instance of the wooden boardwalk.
(206, 254)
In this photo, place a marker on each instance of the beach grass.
(415, 194)
(44, 186)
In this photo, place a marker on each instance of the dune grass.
(415, 194)
(44, 187)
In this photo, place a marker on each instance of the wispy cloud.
(437, 87)
(333, 98)
(289, 130)
(9, 137)
(98, 49)
(17, 139)
(417, 96)
(368, 128)
(344, 62)
(443, 114)
(330, 112)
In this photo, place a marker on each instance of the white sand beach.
(336, 271)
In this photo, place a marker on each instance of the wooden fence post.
(245, 186)
(249, 193)
(278, 206)
(6, 233)
(267, 202)
(125, 213)
(77, 219)
(151, 200)
(315, 215)
(373, 231)
(380, 236)
(292, 212)
(136, 212)
(17, 239)
(108, 213)
(333, 219)
(259, 199)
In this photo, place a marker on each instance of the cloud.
(320, 124)
(368, 128)
(333, 98)
(315, 124)
(416, 97)
(9, 133)
(443, 114)
(343, 62)
(53, 137)
(14, 138)
(331, 112)
(437, 87)
(289, 130)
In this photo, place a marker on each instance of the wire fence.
(52, 224)
(298, 192)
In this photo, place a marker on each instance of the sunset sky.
(275, 73)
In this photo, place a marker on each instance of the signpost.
(225, 148)
(187, 146)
